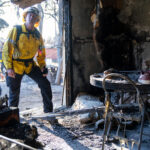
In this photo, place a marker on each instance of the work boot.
(48, 110)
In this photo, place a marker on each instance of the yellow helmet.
(32, 10)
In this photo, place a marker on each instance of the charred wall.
(136, 14)
(115, 39)
(121, 40)
(85, 62)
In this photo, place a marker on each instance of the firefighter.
(24, 53)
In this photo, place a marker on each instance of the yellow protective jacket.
(27, 47)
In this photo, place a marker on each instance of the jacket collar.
(25, 30)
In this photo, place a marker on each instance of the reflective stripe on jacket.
(26, 47)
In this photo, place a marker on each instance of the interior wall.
(133, 13)
(85, 62)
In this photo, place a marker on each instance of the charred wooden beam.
(100, 110)
(26, 3)
(71, 113)
(68, 53)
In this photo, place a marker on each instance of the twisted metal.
(109, 106)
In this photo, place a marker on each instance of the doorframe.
(68, 71)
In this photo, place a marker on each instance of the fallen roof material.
(26, 3)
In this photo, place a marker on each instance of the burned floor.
(78, 127)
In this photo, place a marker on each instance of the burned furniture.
(11, 130)
(123, 113)
(7, 114)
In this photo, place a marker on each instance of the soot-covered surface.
(115, 39)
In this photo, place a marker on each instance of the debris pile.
(14, 134)
(20, 133)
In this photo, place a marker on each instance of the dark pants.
(36, 74)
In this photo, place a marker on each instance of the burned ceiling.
(26, 3)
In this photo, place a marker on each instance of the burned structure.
(99, 35)
(120, 41)
(103, 34)
(117, 37)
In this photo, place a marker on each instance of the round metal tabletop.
(118, 84)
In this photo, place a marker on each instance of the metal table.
(120, 82)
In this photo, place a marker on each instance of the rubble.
(68, 133)
(86, 101)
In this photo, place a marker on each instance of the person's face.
(31, 18)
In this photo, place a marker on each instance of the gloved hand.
(44, 71)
